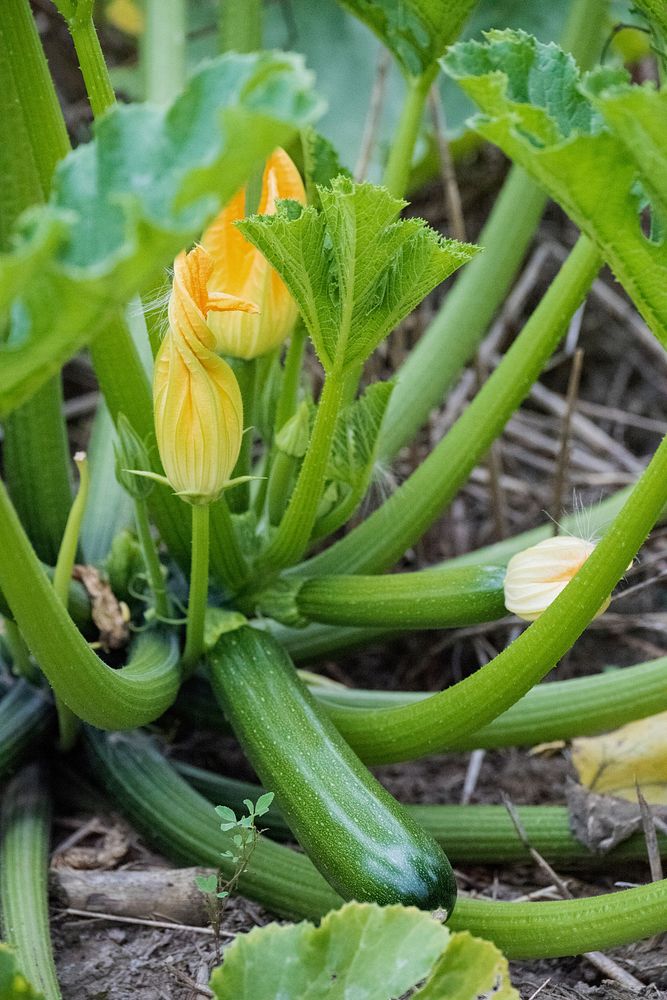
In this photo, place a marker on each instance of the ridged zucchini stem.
(482, 285)
(32, 140)
(25, 826)
(26, 717)
(111, 699)
(383, 537)
(180, 822)
(472, 834)
(403, 733)
(559, 710)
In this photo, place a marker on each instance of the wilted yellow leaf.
(636, 754)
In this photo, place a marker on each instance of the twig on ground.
(650, 835)
(160, 924)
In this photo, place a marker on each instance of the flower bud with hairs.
(198, 407)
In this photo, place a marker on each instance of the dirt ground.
(620, 415)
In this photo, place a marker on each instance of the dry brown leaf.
(108, 613)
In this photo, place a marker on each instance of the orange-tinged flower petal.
(197, 401)
(240, 270)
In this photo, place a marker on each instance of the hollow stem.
(92, 63)
(226, 554)
(412, 731)
(151, 560)
(67, 721)
(163, 50)
(21, 662)
(26, 821)
(289, 389)
(168, 812)
(111, 699)
(399, 164)
(384, 536)
(194, 634)
(292, 536)
(482, 285)
(477, 834)
(241, 25)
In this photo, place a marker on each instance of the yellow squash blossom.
(197, 401)
(241, 271)
(536, 576)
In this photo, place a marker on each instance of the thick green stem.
(22, 665)
(32, 140)
(24, 859)
(241, 25)
(151, 560)
(464, 317)
(181, 823)
(163, 50)
(399, 164)
(62, 576)
(291, 539)
(111, 699)
(226, 554)
(383, 537)
(93, 67)
(561, 710)
(289, 389)
(26, 721)
(479, 834)
(70, 540)
(440, 721)
(194, 634)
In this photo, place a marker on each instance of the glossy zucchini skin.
(432, 598)
(362, 841)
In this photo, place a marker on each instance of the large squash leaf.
(597, 145)
(361, 952)
(127, 202)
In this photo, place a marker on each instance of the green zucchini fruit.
(356, 834)
(436, 598)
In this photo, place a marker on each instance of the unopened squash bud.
(241, 271)
(536, 576)
(131, 457)
(198, 406)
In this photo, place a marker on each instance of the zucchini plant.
(238, 436)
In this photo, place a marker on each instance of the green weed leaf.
(206, 883)
(263, 804)
(124, 204)
(416, 32)
(354, 269)
(597, 145)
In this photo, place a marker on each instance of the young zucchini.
(360, 838)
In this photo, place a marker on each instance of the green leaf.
(355, 442)
(263, 804)
(321, 164)
(360, 951)
(470, 969)
(13, 984)
(226, 814)
(124, 204)
(416, 32)
(206, 883)
(597, 146)
(354, 269)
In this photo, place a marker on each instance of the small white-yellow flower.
(536, 576)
